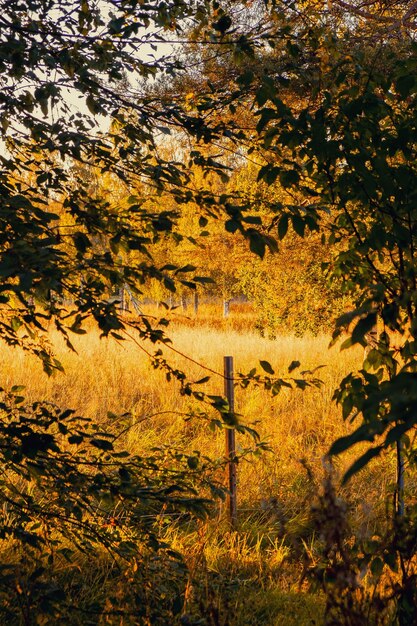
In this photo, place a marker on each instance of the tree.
(351, 150)
(332, 123)
(74, 102)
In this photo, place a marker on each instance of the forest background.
(264, 150)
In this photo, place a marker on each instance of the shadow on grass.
(279, 608)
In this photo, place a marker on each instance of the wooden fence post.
(230, 442)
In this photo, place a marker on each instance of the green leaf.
(377, 566)
(81, 242)
(406, 84)
(232, 226)
(93, 105)
(347, 406)
(257, 244)
(266, 366)
(75, 439)
(289, 178)
(362, 328)
(223, 24)
(298, 224)
(271, 174)
(102, 444)
(246, 78)
(17, 388)
(186, 268)
(169, 284)
(267, 114)
(344, 443)
(252, 219)
(125, 475)
(203, 280)
(203, 380)
(283, 226)
(192, 462)
(15, 323)
(361, 462)
(293, 365)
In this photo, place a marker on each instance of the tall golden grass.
(275, 490)
(105, 376)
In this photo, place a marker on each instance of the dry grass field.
(275, 489)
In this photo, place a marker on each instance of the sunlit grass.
(107, 376)
(275, 490)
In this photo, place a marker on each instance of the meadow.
(256, 573)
